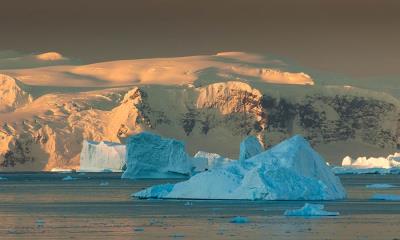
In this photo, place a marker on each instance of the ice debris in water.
(104, 184)
(291, 170)
(239, 220)
(387, 197)
(151, 156)
(3, 178)
(250, 147)
(310, 210)
(380, 185)
(68, 178)
(39, 223)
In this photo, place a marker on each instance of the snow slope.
(292, 170)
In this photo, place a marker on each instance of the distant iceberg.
(151, 156)
(204, 161)
(250, 147)
(102, 156)
(310, 210)
(380, 185)
(387, 197)
(291, 170)
(372, 165)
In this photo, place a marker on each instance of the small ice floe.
(177, 235)
(39, 223)
(239, 220)
(68, 178)
(310, 210)
(104, 184)
(188, 204)
(387, 197)
(3, 178)
(380, 185)
(139, 229)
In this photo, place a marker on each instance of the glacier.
(203, 161)
(151, 156)
(291, 170)
(250, 147)
(102, 156)
(310, 210)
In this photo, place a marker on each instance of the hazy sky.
(356, 38)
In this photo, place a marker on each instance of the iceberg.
(151, 156)
(204, 161)
(380, 185)
(239, 220)
(291, 170)
(372, 165)
(310, 210)
(387, 197)
(101, 156)
(250, 147)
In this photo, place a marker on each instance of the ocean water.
(99, 206)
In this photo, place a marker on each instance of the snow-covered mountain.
(206, 107)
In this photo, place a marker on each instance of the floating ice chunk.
(380, 185)
(3, 178)
(310, 210)
(353, 170)
(291, 170)
(68, 178)
(40, 223)
(151, 156)
(387, 197)
(104, 184)
(101, 156)
(203, 161)
(239, 220)
(250, 147)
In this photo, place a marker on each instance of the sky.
(356, 38)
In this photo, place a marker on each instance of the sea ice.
(250, 147)
(100, 156)
(291, 170)
(151, 156)
(68, 178)
(387, 197)
(310, 210)
(380, 185)
(203, 161)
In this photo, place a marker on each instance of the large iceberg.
(250, 147)
(291, 170)
(151, 156)
(372, 165)
(101, 156)
(204, 161)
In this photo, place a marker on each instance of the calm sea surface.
(99, 206)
